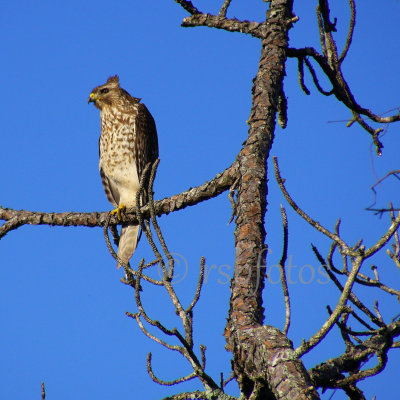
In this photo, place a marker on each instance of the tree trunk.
(263, 358)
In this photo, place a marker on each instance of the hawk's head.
(106, 94)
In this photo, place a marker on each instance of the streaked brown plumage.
(128, 141)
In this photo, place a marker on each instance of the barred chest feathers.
(117, 151)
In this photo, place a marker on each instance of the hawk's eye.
(104, 91)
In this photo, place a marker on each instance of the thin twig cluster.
(166, 262)
(330, 61)
(380, 335)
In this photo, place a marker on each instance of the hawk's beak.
(92, 98)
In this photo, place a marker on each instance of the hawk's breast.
(117, 151)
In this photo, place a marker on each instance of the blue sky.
(62, 306)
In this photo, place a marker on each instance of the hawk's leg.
(117, 211)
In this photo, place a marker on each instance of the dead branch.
(329, 373)
(43, 391)
(315, 224)
(330, 63)
(166, 383)
(191, 197)
(353, 298)
(378, 182)
(186, 342)
(215, 395)
(188, 6)
(224, 8)
(256, 29)
(306, 346)
(283, 272)
(350, 32)
(199, 286)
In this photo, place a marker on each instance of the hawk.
(128, 142)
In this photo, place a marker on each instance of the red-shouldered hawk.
(128, 141)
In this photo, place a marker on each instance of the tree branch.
(191, 197)
(256, 29)
(329, 373)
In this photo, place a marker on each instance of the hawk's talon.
(117, 211)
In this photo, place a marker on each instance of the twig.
(394, 173)
(199, 286)
(376, 308)
(353, 298)
(188, 6)
(203, 356)
(385, 238)
(300, 69)
(231, 194)
(331, 67)
(315, 224)
(306, 346)
(151, 336)
(230, 378)
(321, 32)
(224, 8)
(166, 383)
(351, 30)
(395, 256)
(154, 220)
(43, 391)
(282, 109)
(315, 79)
(283, 272)
(109, 245)
(382, 360)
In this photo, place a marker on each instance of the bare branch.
(328, 374)
(256, 29)
(13, 223)
(300, 69)
(353, 298)
(331, 67)
(193, 196)
(385, 238)
(351, 30)
(395, 256)
(203, 356)
(151, 336)
(315, 79)
(313, 223)
(209, 395)
(154, 220)
(379, 181)
(224, 8)
(377, 312)
(283, 272)
(43, 391)
(188, 6)
(166, 383)
(326, 327)
(199, 286)
(321, 32)
(282, 109)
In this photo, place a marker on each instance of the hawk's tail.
(127, 242)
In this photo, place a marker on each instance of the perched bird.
(128, 142)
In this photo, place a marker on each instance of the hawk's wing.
(110, 190)
(146, 143)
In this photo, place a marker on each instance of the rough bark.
(264, 362)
